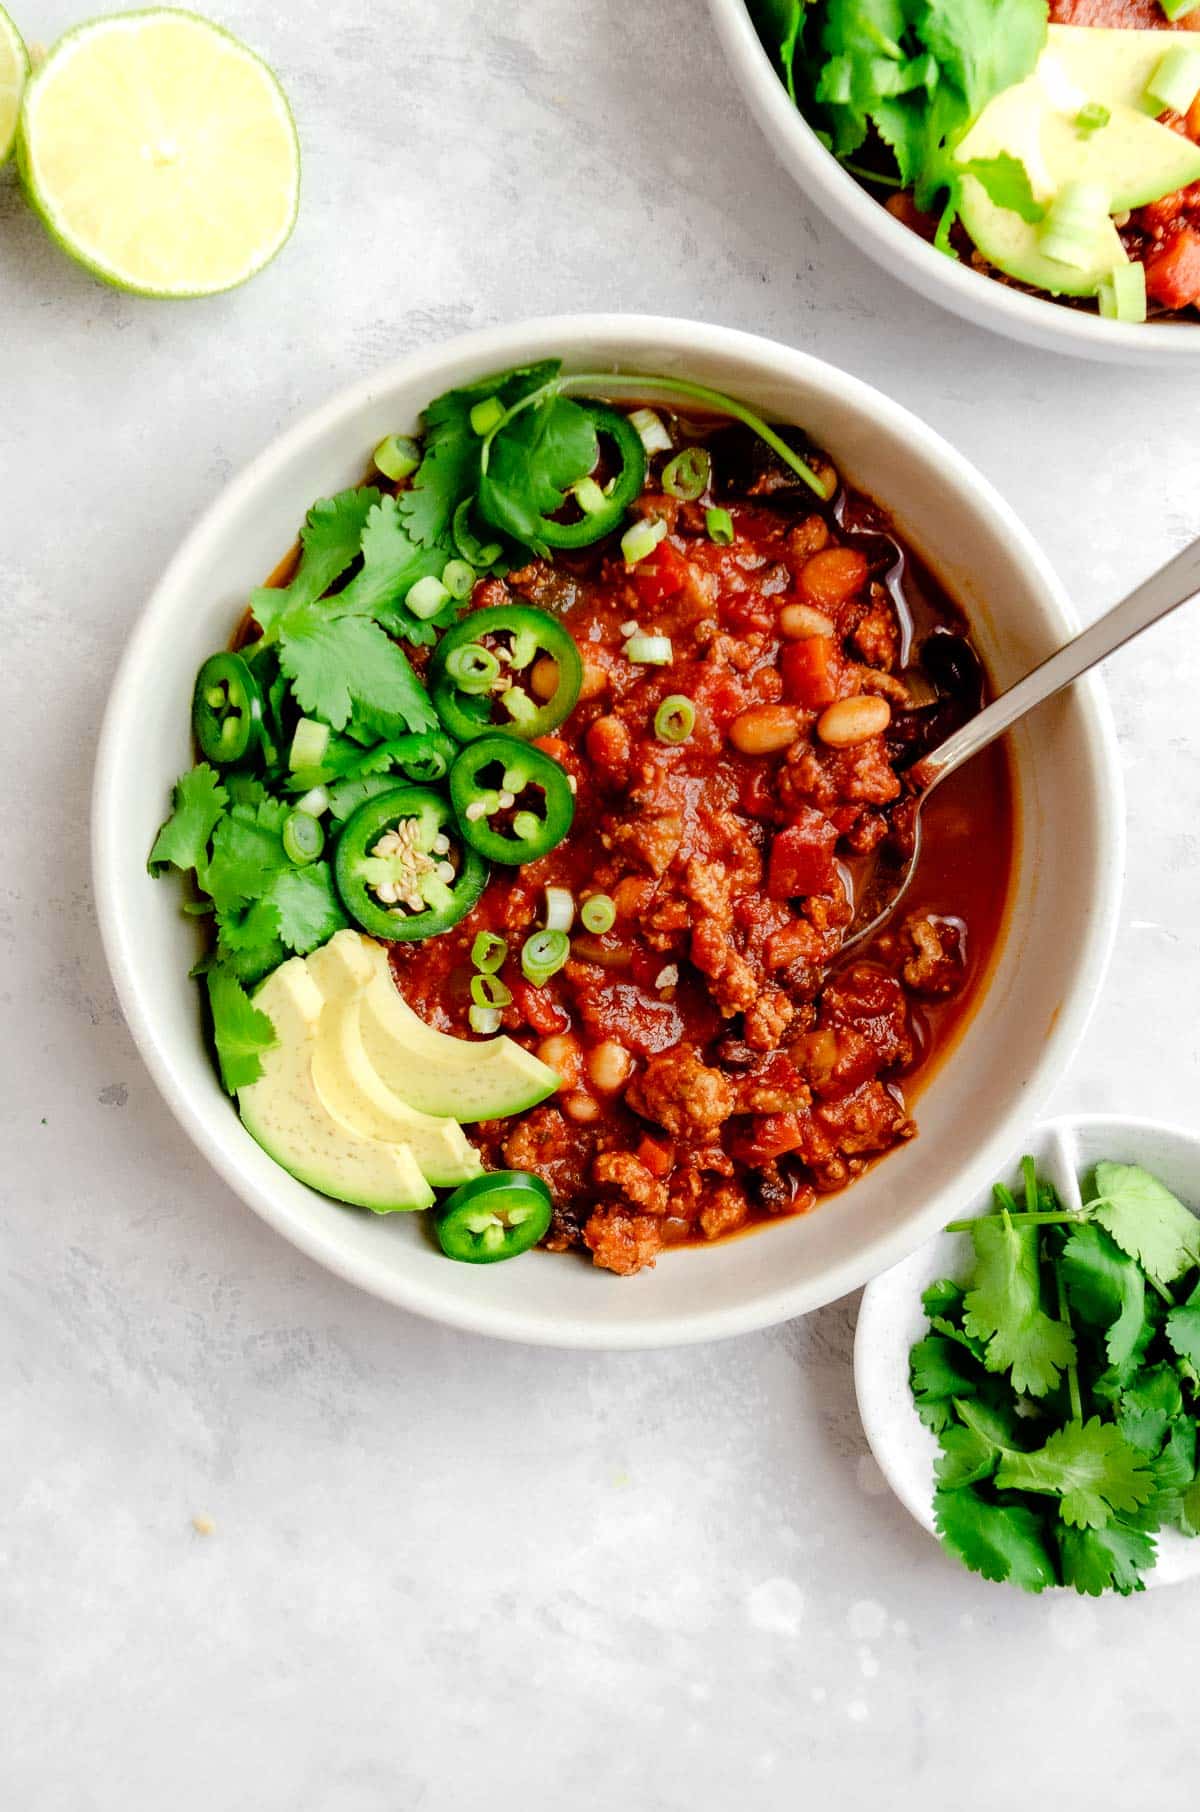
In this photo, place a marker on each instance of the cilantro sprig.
(906, 80)
(1063, 1385)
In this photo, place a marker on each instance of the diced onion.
(397, 457)
(315, 802)
(459, 579)
(1122, 296)
(543, 955)
(560, 909)
(652, 431)
(719, 524)
(487, 415)
(488, 952)
(642, 539)
(484, 1019)
(427, 597)
(1176, 81)
(649, 650)
(675, 719)
(308, 745)
(687, 475)
(599, 914)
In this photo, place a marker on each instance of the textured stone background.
(446, 1573)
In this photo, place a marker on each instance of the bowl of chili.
(1048, 875)
(961, 282)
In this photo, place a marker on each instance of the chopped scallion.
(308, 745)
(1091, 118)
(649, 650)
(675, 719)
(472, 667)
(1122, 297)
(589, 497)
(1179, 9)
(719, 524)
(519, 705)
(489, 991)
(1073, 219)
(484, 1019)
(526, 826)
(487, 415)
(543, 955)
(598, 913)
(642, 539)
(651, 430)
(459, 579)
(687, 476)
(427, 597)
(1176, 81)
(488, 952)
(303, 838)
(560, 908)
(315, 802)
(397, 457)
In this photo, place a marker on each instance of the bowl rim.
(1037, 320)
(492, 349)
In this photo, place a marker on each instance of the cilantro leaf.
(1183, 1330)
(1107, 1290)
(944, 1297)
(1148, 1406)
(1006, 181)
(1004, 1308)
(1189, 1514)
(248, 941)
(247, 852)
(939, 1374)
(1001, 1541)
(329, 543)
(449, 471)
(198, 803)
(308, 909)
(983, 46)
(392, 564)
(1146, 1220)
(1109, 1559)
(1175, 1474)
(340, 663)
(347, 795)
(967, 1457)
(241, 1031)
(1089, 1466)
(532, 462)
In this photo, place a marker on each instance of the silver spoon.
(1174, 584)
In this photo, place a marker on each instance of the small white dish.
(1037, 320)
(891, 1319)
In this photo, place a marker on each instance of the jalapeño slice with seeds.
(227, 709)
(401, 868)
(513, 803)
(481, 677)
(493, 1217)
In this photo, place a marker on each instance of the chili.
(392, 861)
(486, 662)
(487, 784)
(227, 709)
(494, 1217)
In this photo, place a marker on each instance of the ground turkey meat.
(683, 1094)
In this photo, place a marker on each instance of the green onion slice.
(488, 952)
(1072, 220)
(489, 991)
(1122, 297)
(641, 540)
(1092, 118)
(397, 457)
(543, 955)
(315, 802)
(1179, 9)
(308, 745)
(458, 576)
(589, 497)
(651, 430)
(303, 838)
(487, 415)
(598, 913)
(719, 524)
(560, 908)
(675, 718)
(484, 1019)
(687, 476)
(427, 597)
(1176, 81)
(649, 650)
(473, 668)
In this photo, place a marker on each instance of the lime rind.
(30, 161)
(14, 74)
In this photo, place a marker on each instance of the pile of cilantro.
(906, 80)
(329, 647)
(1062, 1383)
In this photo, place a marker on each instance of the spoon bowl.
(891, 1318)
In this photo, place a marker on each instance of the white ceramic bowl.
(891, 1319)
(971, 1114)
(955, 285)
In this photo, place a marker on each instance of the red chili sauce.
(715, 1069)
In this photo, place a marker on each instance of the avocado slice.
(1133, 158)
(355, 1093)
(285, 1114)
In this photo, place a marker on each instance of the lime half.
(14, 72)
(161, 153)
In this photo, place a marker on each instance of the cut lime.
(14, 73)
(160, 153)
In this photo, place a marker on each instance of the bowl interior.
(1037, 320)
(1048, 969)
(891, 1319)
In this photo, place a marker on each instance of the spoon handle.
(1174, 584)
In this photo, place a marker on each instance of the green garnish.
(1092, 118)
(1175, 83)
(241, 1032)
(1063, 1384)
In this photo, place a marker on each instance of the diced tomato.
(759, 794)
(658, 1159)
(660, 575)
(844, 817)
(1173, 271)
(802, 858)
(537, 1008)
(769, 1136)
(832, 576)
(807, 669)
